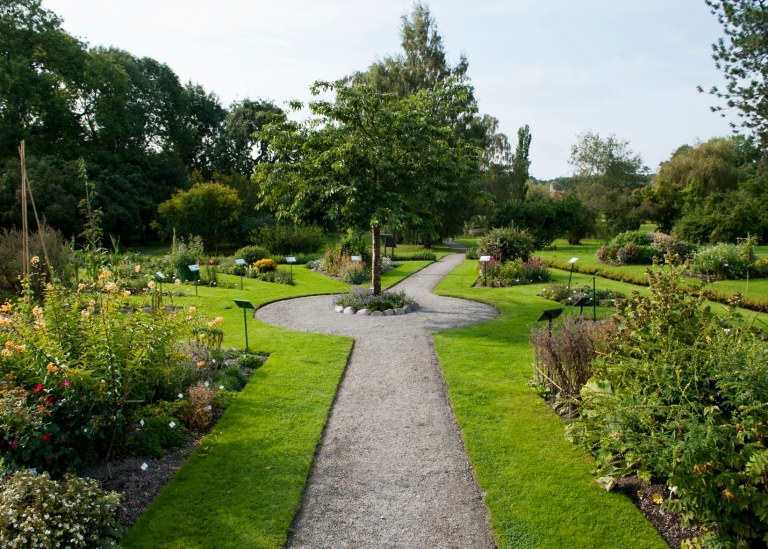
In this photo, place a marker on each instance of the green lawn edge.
(242, 486)
(539, 488)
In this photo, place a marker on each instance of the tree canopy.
(371, 158)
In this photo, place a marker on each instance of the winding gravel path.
(391, 470)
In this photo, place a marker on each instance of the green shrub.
(250, 361)
(472, 253)
(36, 511)
(289, 239)
(354, 272)
(185, 254)
(556, 292)
(638, 238)
(507, 244)
(721, 260)
(681, 396)
(149, 439)
(513, 273)
(232, 378)
(251, 254)
(355, 244)
(423, 255)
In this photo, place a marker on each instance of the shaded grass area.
(243, 484)
(540, 492)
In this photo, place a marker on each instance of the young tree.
(370, 158)
(207, 209)
(742, 56)
(519, 180)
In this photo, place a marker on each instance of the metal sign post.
(583, 300)
(291, 260)
(572, 262)
(195, 271)
(388, 240)
(549, 315)
(484, 259)
(244, 304)
(241, 262)
(594, 298)
(160, 278)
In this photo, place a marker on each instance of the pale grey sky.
(628, 67)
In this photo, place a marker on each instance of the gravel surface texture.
(391, 470)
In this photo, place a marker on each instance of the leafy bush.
(671, 245)
(682, 397)
(265, 265)
(360, 298)
(507, 244)
(250, 361)
(638, 238)
(556, 292)
(723, 261)
(472, 253)
(36, 511)
(354, 272)
(148, 440)
(185, 254)
(354, 244)
(232, 378)
(251, 254)
(565, 295)
(288, 239)
(512, 273)
(278, 276)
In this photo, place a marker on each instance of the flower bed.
(358, 300)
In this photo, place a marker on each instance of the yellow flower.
(111, 287)
(151, 284)
(137, 269)
(201, 336)
(177, 282)
(39, 325)
(51, 368)
(37, 311)
(6, 352)
(106, 273)
(21, 348)
(201, 364)
(217, 320)
(9, 345)
(5, 321)
(6, 307)
(35, 260)
(80, 287)
(127, 293)
(84, 313)
(192, 309)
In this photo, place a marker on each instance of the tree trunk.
(376, 259)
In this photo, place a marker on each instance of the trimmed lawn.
(242, 485)
(540, 492)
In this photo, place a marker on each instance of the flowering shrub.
(265, 265)
(185, 254)
(681, 396)
(69, 368)
(507, 244)
(36, 511)
(627, 255)
(360, 298)
(723, 261)
(513, 273)
(353, 272)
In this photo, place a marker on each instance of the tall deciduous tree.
(519, 179)
(370, 158)
(743, 57)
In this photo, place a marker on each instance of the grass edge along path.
(242, 486)
(539, 488)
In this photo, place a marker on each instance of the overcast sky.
(628, 67)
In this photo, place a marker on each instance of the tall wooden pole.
(24, 222)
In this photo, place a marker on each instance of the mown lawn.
(242, 486)
(540, 491)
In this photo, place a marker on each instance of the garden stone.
(377, 313)
(399, 311)
(389, 312)
(364, 312)
(407, 308)
(339, 308)
(349, 311)
(414, 306)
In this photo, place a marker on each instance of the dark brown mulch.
(668, 524)
(140, 487)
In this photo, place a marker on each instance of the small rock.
(349, 311)
(364, 312)
(377, 313)
(414, 306)
(407, 308)
(339, 309)
(399, 311)
(389, 312)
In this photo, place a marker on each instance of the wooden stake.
(24, 223)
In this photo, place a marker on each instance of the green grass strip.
(540, 491)
(242, 485)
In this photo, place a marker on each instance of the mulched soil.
(139, 487)
(668, 524)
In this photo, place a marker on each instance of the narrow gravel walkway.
(391, 470)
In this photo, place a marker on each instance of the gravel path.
(391, 470)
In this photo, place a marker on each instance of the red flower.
(50, 400)
(65, 383)
(38, 388)
(14, 443)
(46, 437)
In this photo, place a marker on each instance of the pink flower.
(14, 444)
(65, 383)
(38, 388)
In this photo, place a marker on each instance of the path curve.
(391, 470)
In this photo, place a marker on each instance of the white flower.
(181, 395)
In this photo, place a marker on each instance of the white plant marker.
(144, 466)
(172, 424)
(141, 423)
